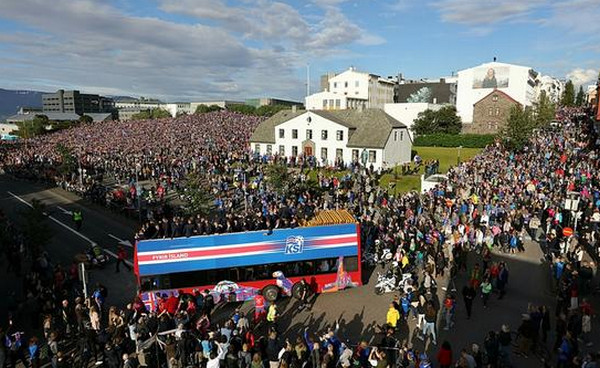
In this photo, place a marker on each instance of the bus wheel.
(298, 290)
(270, 292)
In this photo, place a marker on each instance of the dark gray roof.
(265, 131)
(56, 116)
(100, 116)
(369, 128)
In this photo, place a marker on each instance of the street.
(359, 311)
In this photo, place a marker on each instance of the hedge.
(454, 140)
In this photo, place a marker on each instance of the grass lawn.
(447, 157)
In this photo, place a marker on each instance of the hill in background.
(11, 101)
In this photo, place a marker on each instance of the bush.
(454, 140)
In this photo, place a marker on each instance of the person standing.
(430, 318)
(392, 316)
(121, 255)
(259, 307)
(272, 316)
(502, 280)
(444, 355)
(77, 219)
(486, 290)
(469, 294)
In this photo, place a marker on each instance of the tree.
(443, 120)
(270, 110)
(580, 99)
(31, 128)
(243, 109)
(86, 119)
(277, 177)
(36, 231)
(68, 163)
(518, 128)
(196, 195)
(156, 113)
(203, 109)
(568, 96)
(545, 110)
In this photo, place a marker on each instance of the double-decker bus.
(239, 265)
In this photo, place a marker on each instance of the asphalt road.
(359, 311)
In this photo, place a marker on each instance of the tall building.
(518, 82)
(352, 89)
(75, 102)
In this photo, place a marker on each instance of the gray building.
(77, 103)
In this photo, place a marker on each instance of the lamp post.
(138, 193)
(458, 156)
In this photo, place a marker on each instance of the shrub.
(454, 140)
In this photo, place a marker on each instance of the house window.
(345, 84)
(331, 104)
(324, 135)
(269, 149)
(281, 133)
(282, 150)
(294, 151)
(308, 133)
(401, 136)
(356, 84)
(395, 135)
(294, 133)
(323, 153)
(497, 111)
(334, 84)
(339, 135)
(490, 111)
(324, 104)
(339, 153)
(257, 148)
(354, 155)
(338, 104)
(372, 156)
(495, 98)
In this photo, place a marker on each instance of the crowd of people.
(489, 204)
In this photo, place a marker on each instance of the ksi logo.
(294, 244)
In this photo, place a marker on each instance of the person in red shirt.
(259, 307)
(172, 304)
(121, 255)
(444, 355)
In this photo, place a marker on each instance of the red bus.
(238, 265)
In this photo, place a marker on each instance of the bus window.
(351, 264)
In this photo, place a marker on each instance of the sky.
(194, 50)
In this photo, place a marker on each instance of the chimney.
(293, 108)
(494, 59)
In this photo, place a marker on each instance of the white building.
(519, 82)
(178, 108)
(368, 136)
(553, 87)
(353, 89)
(407, 112)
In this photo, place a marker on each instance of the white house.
(352, 89)
(368, 136)
(519, 82)
(407, 112)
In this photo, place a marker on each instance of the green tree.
(443, 120)
(155, 113)
(568, 96)
(580, 98)
(86, 119)
(37, 233)
(68, 163)
(518, 128)
(270, 110)
(31, 128)
(277, 176)
(243, 109)
(545, 110)
(196, 195)
(203, 109)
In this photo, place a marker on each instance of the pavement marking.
(121, 241)
(65, 212)
(69, 228)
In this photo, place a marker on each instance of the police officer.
(272, 316)
(77, 219)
